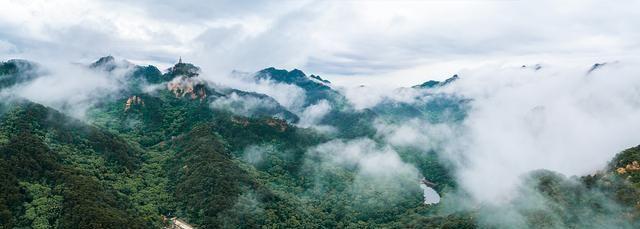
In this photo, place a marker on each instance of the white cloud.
(6, 47)
(557, 118)
(69, 87)
(362, 96)
(289, 96)
(255, 154)
(370, 159)
(381, 179)
(348, 42)
(418, 133)
(313, 114)
(242, 105)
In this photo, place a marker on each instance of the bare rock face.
(279, 124)
(632, 167)
(133, 101)
(240, 121)
(192, 87)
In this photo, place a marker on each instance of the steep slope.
(436, 84)
(198, 140)
(175, 145)
(179, 101)
(14, 72)
(425, 103)
(315, 90)
(57, 165)
(212, 189)
(432, 107)
(349, 122)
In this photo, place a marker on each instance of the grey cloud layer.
(326, 37)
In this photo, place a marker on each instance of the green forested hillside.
(59, 172)
(141, 157)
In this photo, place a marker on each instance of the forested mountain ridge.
(173, 144)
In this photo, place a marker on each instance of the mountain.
(108, 63)
(597, 66)
(315, 88)
(181, 69)
(14, 72)
(436, 84)
(320, 79)
(422, 102)
(434, 108)
(348, 121)
(294, 76)
(170, 145)
(176, 106)
(55, 169)
(149, 73)
(535, 67)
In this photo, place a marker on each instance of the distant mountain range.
(170, 144)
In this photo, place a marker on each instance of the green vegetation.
(141, 157)
(51, 183)
(14, 72)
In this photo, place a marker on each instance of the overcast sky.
(394, 42)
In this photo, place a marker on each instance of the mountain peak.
(15, 65)
(109, 63)
(103, 61)
(295, 76)
(435, 83)
(320, 79)
(596, 66)
(450, 80)
(17, 71)
(297, 72)
(182, 69)
(535, 67)
(281, 75)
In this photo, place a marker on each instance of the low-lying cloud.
(71, 88)
(289, 96)
(242, 105)
(418, 133)
(367, 157)
(313, 114)
(557, 118)
(362, 97)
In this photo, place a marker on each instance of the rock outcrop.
(133, 101)
(632, 167)
(193, 88)
(279, 124)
